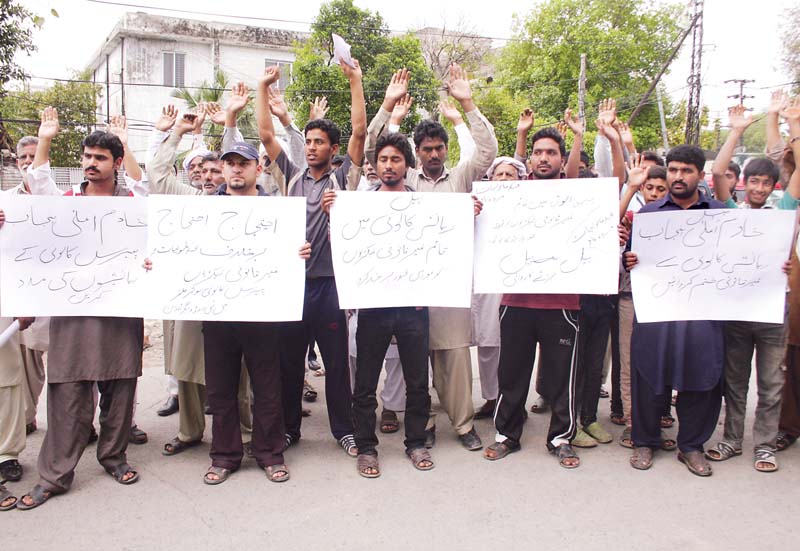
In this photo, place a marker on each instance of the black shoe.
(313, 365)
(207, 409)
(170, 406)
(486, 410)
(137, 436)
(430, 437)
(10, 471)
(92, 436)
(471, 440)
(30, 428)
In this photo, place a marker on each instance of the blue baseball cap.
(243, 149)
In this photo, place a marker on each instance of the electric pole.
(693, 109)
(582, 91)
(741, 97)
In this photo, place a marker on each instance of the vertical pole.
(582, 91)
(663, 121)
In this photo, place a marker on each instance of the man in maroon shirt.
(551, 321)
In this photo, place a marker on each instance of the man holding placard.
(743, 338)
(685, 355)
(450, 328)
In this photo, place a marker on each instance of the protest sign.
(711, 264)
(402, 249)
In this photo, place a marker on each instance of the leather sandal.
(5, 494)
(418, 457)
(696, 463)
(722, 451)
(564, 452)
(176, 446)
(221, 472)
(120, 471)
(368, 461)
(499, 450)
(642, 458)
(10, 471)
(389, 421)
(38, 496)
(277, 473)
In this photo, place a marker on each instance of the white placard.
(715, 264)
(402, 249)
(73, 256)
(547, 236)
(226, 258)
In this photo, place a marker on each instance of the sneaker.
(471, 440)
(596, 431)
(583, 440)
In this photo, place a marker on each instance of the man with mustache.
(450, 328)
(685, 355)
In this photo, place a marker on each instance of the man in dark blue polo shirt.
(685, 355)
(322, 316)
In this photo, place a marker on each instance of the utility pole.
(582, 91)
(694, 80)
(741, 97)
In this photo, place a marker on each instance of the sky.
(730, 51)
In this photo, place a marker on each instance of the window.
(286, 72)
(174, 68)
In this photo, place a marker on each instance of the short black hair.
(398, 141)
(761, 166)
(104, 140)
(689, 154)
(327, 126)
(429, 129)
(586, 173)
(337, 160)
(553, 134)
(585, 158)
(653, 157)
(735, 168)
(657, 173)
(211, 157)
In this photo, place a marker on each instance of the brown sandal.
(418, 458)
(696, 463)
(389, 422)
(642, 458)
(364, 462)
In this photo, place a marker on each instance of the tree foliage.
(76, 104)
(380, 55)
(625, 45)
(16, 35)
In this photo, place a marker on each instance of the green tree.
(16, 35)
(315, 74)
(76, 104)
(625, 44)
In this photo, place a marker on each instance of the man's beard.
(687, 193)
(552, 175)
(394, 181)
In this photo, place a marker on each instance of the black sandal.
(176, 446)
(38, 496)
(120, 471)
(11, 470)
(564, 452)
(4, 495)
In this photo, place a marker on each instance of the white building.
(146, 56)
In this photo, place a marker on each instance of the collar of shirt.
(223, 190)
(444, 176)
(702, 202)
(307, 175)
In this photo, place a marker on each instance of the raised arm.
(161, 168)
(738, 122)
(792, 115)
(524, 126)
(39, 180)
(466, 144)
(605, 126)
(627, 137)
(118, 125)
(400, 112)
(358, 112)
(294, 137)
(266, 130)
(637, 175)
(481, 129)
(397, 89)
(775, 144)
(574, 160)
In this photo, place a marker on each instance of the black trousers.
(556, 332)
(324, 321)
(698, 413)
(616, 365)
(375, 329)
(224, 345)
(597, 313)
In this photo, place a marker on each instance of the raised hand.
(276, 104)
(319, 108)
(525, 122)
(166, 120)
(573, 122)
(606, 130)
(459, 87)
(450, 112)
(270, 76)
(398, 86)
(351, 72)
(562, 128)
(189, 122)
(791, 110)
(215, 113)
(777, 102)
(118, 126)
(625, 133)
(401, 109)
(240, 96)
(637, 174)
(738, 118)
(607, 111)
(48, 128)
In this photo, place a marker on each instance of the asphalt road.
(524, 501)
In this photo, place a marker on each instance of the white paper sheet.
(402, 249)
(719, 264)
(72, 256)
(341, 50)
(226, 258)
(547, 236)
